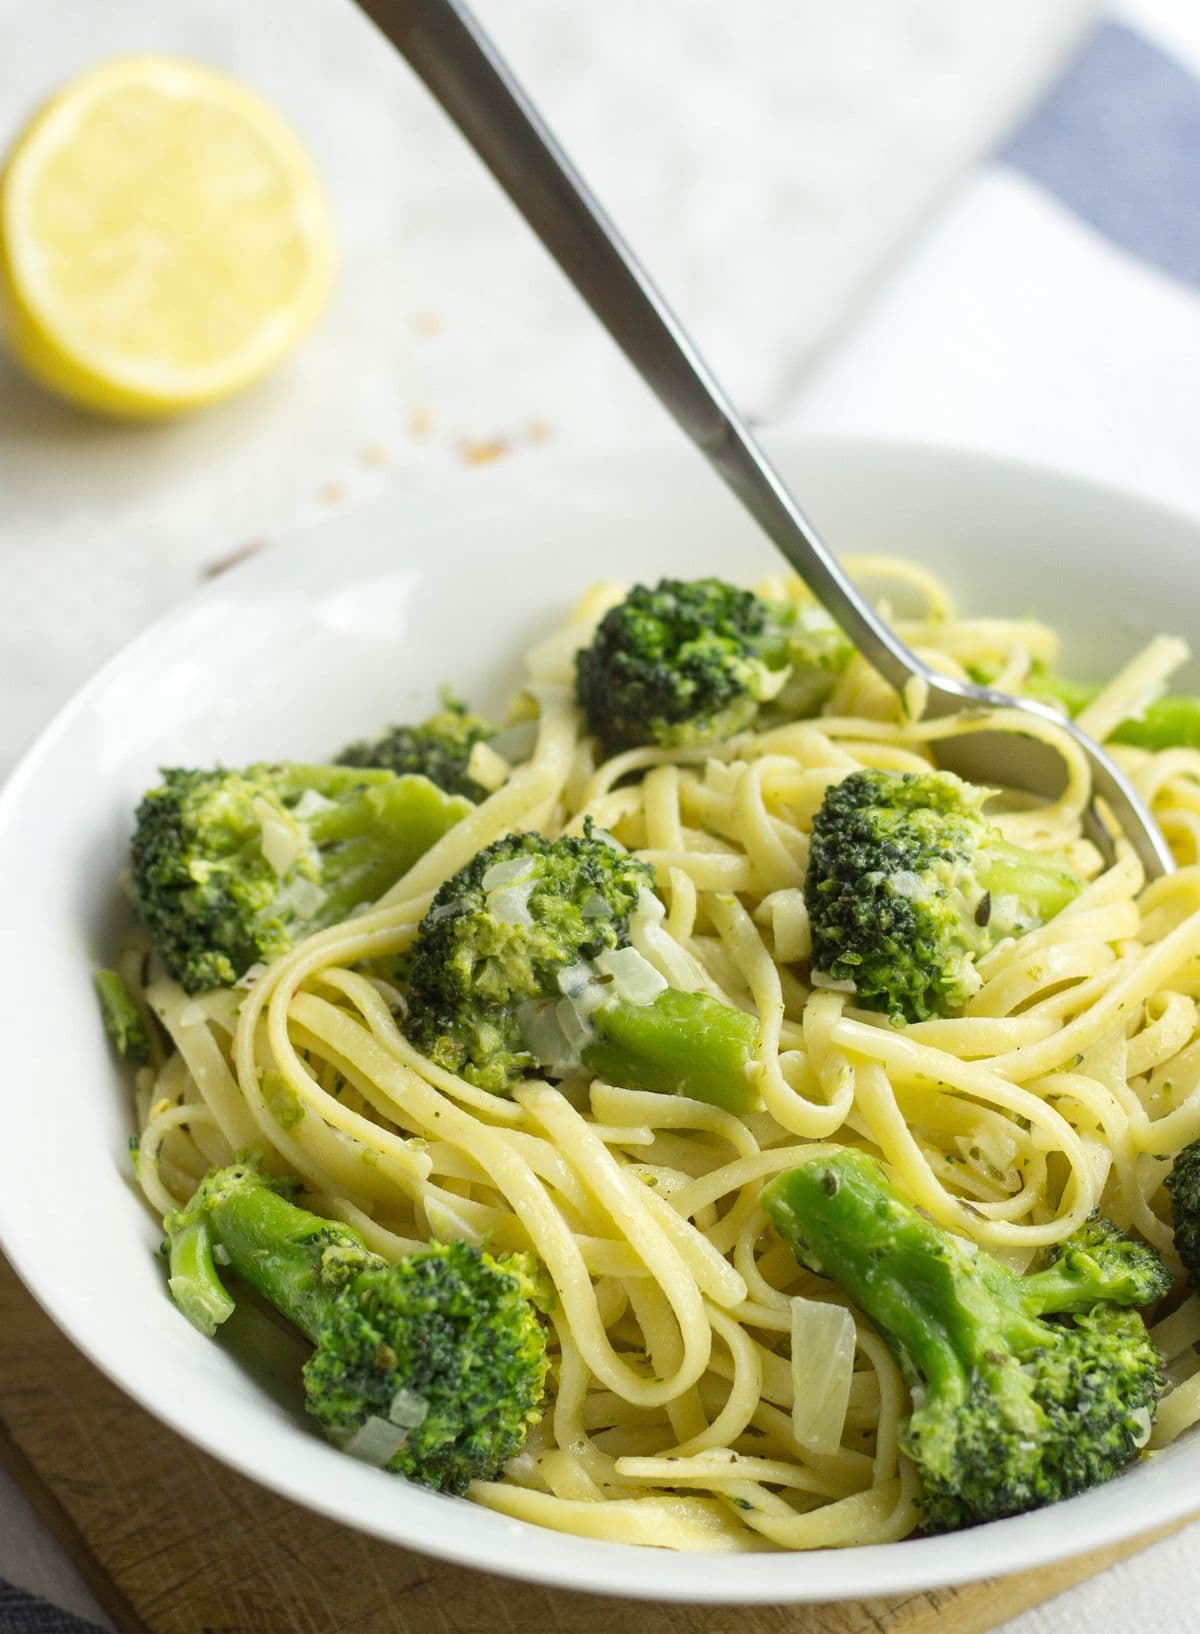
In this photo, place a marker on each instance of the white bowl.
(356, 622)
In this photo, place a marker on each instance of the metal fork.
(445, 46)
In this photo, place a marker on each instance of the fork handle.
(448, 50)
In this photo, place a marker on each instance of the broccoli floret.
(123, 1021)
(232, 867)
(908, 884)
(523, 963)
(433, 1368)
(1099, 1262)
(692, 662)
(1183, 1188)
(1010, 1410)
(439, 749)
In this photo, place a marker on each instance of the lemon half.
(164, 238)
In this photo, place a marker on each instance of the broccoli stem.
(195, 1282)
(1167, 723)
(941, 1306)
(678, 1044)
(1009, 1411)
(931, 1285)
(380, 829)
(123, 1021)
(1042, 883)
(297, 1260)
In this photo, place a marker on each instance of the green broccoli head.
(1183, 1188)
(1010, 1411)
(692, 661)
(1098, 1262)
(496, 937)
(231, 868)
(443, 1349)
(908, 884)
(433, 1368)
(1037, 1422)
(439, 749)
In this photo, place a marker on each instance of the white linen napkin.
(1052, 310)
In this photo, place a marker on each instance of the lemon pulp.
(164, 238)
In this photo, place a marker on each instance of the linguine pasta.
(706, 1392)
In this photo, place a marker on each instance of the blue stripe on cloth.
(1117, 140)
(22, 1613)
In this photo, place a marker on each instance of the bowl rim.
(1004, 1547)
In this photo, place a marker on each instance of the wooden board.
(171, 1542)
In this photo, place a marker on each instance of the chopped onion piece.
(408, 1410)
(522, 1468)
(310, 803)
(823, 1340)
(283, 841)
(487, 767)
(302, 897)
(581, 984)
(820, 979)
(634, 978)
(596, 908)
(376, 1442)
(907, 884)
(515, 743)
(543, 1037)
(1145, 1423)
(574, 980)
(509, 871)
(576, 1029)
(510, 904)
(654, 942)
(250, 975)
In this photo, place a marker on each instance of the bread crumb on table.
(482, 450)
